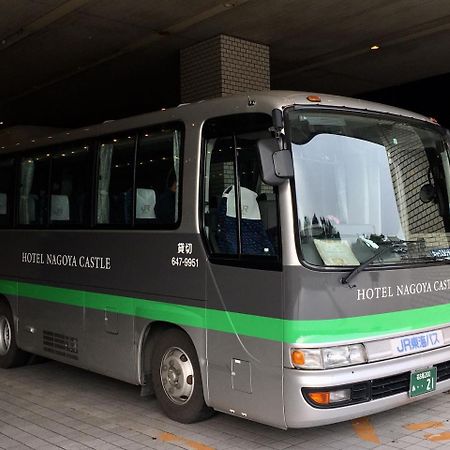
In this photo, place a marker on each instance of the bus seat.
(269, 215)
(211, 224)
(254, 239)
(60, 208)
(145, 203)
(268, 208)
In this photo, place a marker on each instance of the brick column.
(223, 65)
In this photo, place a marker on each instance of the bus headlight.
(329, 357)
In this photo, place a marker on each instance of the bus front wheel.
(176, 378)
(10, 354)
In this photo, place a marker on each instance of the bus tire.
(10, 354)
(176, 377)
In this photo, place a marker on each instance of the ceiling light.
(375, 47)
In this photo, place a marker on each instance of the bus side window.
(70, 186)
(6, 191)
(231, 164)
(157, 177)
(33, 190)
(115, 180)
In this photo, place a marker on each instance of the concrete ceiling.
(68, 62)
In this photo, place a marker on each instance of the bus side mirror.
(427, 193)
(276, 164)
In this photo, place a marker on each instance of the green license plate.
(422, 381)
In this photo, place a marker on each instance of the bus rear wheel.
(10, 354)
(176, 378)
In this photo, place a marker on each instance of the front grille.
(396, 384)
(443, 371)
(360, 392)
(380, 387)
(384, 387)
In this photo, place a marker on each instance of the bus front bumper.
(299, 413)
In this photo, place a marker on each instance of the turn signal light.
(320, 398)
(332, 397)
(298, 357)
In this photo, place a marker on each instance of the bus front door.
(244, 276)
(245, 364)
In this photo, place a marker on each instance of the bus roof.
(197, 112)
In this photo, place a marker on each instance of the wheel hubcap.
(5, 335)
(177, 375)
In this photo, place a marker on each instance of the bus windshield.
(368, 184)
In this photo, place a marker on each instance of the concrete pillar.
(223, 65)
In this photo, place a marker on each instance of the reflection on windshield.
(360, 186)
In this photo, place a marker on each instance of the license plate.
(422, 381)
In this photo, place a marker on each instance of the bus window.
(157, 177)
(70, 187)
(6, 191)
(34, 174)
(231, 161)
(115, 180)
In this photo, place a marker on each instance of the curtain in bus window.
(105, 155)
(26, 205)
(6, 190)
(176, 165)
(210, 216)
(3, 201)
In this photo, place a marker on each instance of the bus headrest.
(145, 203)
(249, 205)
(60, 209)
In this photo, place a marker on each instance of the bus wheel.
(176, 378)
(10, 354)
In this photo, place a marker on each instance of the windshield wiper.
(392, 245)
(364, 264)
(441, 259)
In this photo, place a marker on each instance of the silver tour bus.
(281, 256)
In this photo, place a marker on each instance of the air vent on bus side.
(60, 345)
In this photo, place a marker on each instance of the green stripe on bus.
(289, 331)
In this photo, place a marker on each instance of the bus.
(279, 256)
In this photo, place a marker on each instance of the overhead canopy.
(65, 61)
